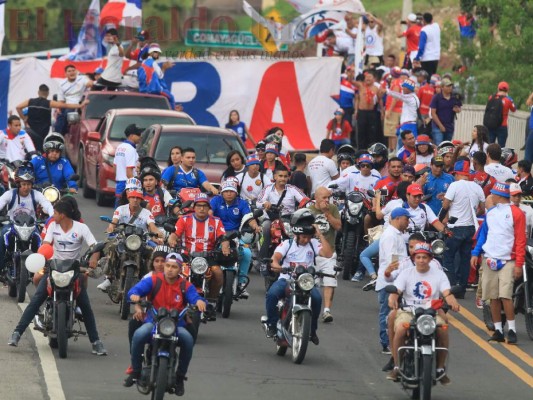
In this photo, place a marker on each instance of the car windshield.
(100, 104)
(209, 148)
(142, 121)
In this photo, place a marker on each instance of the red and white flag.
(122, 12)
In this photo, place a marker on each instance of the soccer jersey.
(67, 245)
(123, 214)
(197, 235)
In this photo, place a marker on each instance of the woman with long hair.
(339, 129)
(239, 127)
(174, 161)
(480, 140)
(235, 164)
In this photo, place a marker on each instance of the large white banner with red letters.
(292, 94)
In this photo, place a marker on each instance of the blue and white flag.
(89, 45)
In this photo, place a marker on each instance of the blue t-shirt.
(230, 215)
(445, 111)
(192, 179)
(60, 171)
(435, 186)
(239, 129)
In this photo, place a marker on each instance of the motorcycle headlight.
(24, 232)
(133, 242)
(306, 282)
(62, 279)
(438, 247)
(354, 208)
(426, 325)
(167, 327)
(51, 194)
(199, 265)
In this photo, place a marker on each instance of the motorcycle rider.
(380, 153)
(362, 179)
(169, 295)
(53, 169)
(282, 195)
(436, 184)
(66, 236)
(252, 180)
(156, 197)
(301, 250)
(15, 143)
(231, 209)
(21, 200)
(198, 232)
(420, 285)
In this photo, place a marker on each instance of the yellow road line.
(491, 351)
(512, 348)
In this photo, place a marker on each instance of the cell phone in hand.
(395, 258)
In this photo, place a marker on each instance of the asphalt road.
(234, 360)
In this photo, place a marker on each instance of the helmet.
(345, 156)
(365, 158)
(345, 149)
(148, 162)
(302, 222)
(151, 170)
(509, 157)
(25, 172)
(248, 234)
(379, 150)
(53, 141)
(445, 148)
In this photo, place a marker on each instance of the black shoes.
(131, 379)
(314, 339)
(179, 388)
(272, 331)
(389, 366)
(511, 337)
(498, 337)
(15, 337)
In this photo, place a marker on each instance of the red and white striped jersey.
(198, 236)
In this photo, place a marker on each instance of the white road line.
(48, 363)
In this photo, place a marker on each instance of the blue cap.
(400, 212)
(98, 70)
(501, 189)
(409, 84)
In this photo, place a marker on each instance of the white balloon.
(35, 262)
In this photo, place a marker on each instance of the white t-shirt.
(465, 196)
(24, 205)
(420, 159)
(288, 205)
(499, 172)
(67, 245)
(298, 255)
(420, 288)
(72, 92)
(123, 215)
(408, 263)
(420, 218)
(251, 187)
(16, 148)
(321, 171)
(373, 41)
(125, 157)
(529, 217)
(475, 147)
(113, 69)
(356, 181)
(409, 107)
(391, 243)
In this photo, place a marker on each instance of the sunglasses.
(365, 166)
(260, 148)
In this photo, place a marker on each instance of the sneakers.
(358, 277)
(389, 366)
(14, 341)
(386, 350)
(394, 374)
(131, 379)
(179, 388)
(443, 378)
(104, 285)
(511, 337)
(99, 349)
(272, 331)
(370, 285)
(314, 339)
(479, 303)
(327, 317)
(498, 337)
(243, 292)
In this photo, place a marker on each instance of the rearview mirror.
(170, 228)
(105, 218)
(258, 213)
(391, 289)
(74, 177)
(93, 136)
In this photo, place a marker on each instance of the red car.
(96, 169)
(212, 146)
(83, 121)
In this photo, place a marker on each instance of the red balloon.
(46, 250)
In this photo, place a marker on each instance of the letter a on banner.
(279, 86)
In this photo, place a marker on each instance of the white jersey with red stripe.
(197, 235)
(288, 203)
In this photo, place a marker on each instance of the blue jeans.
(120, 186)
(143, 335)
(277, 292)
(245, 259)
(461, 244)
(501, 134)
(5, 229)
(439, 136)
(365, 257)
(529, 146)
(384, 310)
(61, 125)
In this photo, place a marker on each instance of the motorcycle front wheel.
(348, 255)
(23, 275)
(161, 380)
(128, 284)
(426, 378)
(301, 331)
(227, 294)
(62, 335)
(529, 317)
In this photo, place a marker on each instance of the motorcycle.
(294, 324)
(52, 193)
(21, 240)
(132, 244)
(160, 359)
(418, 356)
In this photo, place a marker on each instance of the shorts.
(403, 316)
(497, 284)
(391, 124)
(327, 266)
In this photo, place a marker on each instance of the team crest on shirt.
(258, 182)
(23, 204)
(211, 229)
(235, 211)
(74, 235)
(309, 254)
(178, 298)
(60, 167)
(43, 166)
(423, 290)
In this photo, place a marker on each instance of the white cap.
(411, 17)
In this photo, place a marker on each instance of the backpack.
(14, 197)
(493, 117)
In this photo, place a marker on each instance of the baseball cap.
(462, 167)
(423, 139)
(98, 70)
(409, 84)
(252, 160)
(339, 111)
(414, 189)
(423, 248)
(409, 169)
(437, 160)
(135, 193)
(400, 212)
(154, 47)
(501, 189)
(132, 129)
(514, 188)
(174, 258)
(503, 86)
(365, 158)
(411, 17)
(272, 148)
(446, 82)
(228, 186)
(201, 198)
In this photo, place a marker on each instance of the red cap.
(135, 193)
(503, 86)
(414, 189)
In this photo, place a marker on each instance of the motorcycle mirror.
(232, 235)
(98, 247)
(258, 213)
(371, 193)
(168, 227)
(187, 204)
(452, 220)
(457, 289)
(105, 218)
(74, 177)
(334, 186)
(391, 289)
(35, 262)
